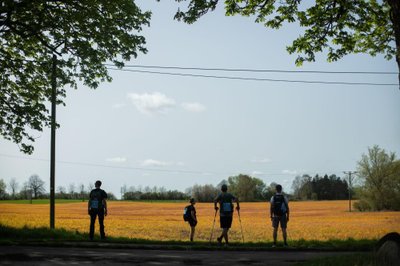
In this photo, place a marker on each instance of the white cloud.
(150, 103)
(193, 107)
(157, 163)
(118, 105)
(116, 160)
(263, 160)
(289, 172)
(151, 162)
(256, 173)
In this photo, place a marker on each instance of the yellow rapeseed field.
(321, 220)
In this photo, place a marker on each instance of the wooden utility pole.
(53, 140)
(349, 173)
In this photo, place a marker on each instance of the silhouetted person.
(279, 213)
(97, 206)
(191, 217)
(225, 201)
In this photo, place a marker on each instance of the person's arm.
(287, 209)
(237, 204)
(271, 210)
(105, 202)
(89, 203)
(193, 215)
(105, 206)
(216, 200)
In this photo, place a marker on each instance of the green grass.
(38, 201)
(47, 201)
(369, 259)
(157, 201)
(10, 235)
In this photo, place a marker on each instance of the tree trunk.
(395, 18)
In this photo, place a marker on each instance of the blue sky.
(162, 130)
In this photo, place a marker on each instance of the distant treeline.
(377, 176)
(34, 188)
(330, 187)
(155, 193)
(245, 187)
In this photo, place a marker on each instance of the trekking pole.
(241, 228)
(212, 230)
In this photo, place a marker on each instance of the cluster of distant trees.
(248, 188)
(34, 188)
(330, 187)
(377, 188)
(31, 189)
(155, 193)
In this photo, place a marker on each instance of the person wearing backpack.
(225, 201)
(97, 207)
(279, 214)
(189, 215)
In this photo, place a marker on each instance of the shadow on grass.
(359, 259)
(45, 236)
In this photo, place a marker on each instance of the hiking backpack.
(226, 204)
(186, 213)
(95, 199)
(279, 205)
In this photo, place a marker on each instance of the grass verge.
(359, 259)
(46, 236)
(38, 201)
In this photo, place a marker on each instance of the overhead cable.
(255, 79)
(258, 70)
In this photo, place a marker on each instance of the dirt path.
(30, 255)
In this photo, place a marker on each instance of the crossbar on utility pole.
(349, 173)
(53, 140)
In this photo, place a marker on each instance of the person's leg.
(283, 227)
(228, 225)
(275, 234)
(222, 220)
(101, 223)
(192, 230)
(225, 235)
(92, 222)
(275, 224)
(284, 236)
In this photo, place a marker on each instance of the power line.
(255, 79)
(156, 169)
(115, 167)
(259, 70)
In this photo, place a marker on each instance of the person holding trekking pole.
(279, 213)
(97, 206)
(225, 201)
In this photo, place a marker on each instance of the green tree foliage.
(270, 191)
(154, 193)
(339, 27)
(302, 188)
(380, 174)
(204, 193)
(13, 184)
(83, 34)
(246, 188)
(36, 186)
(319, 188)
(3, 187)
